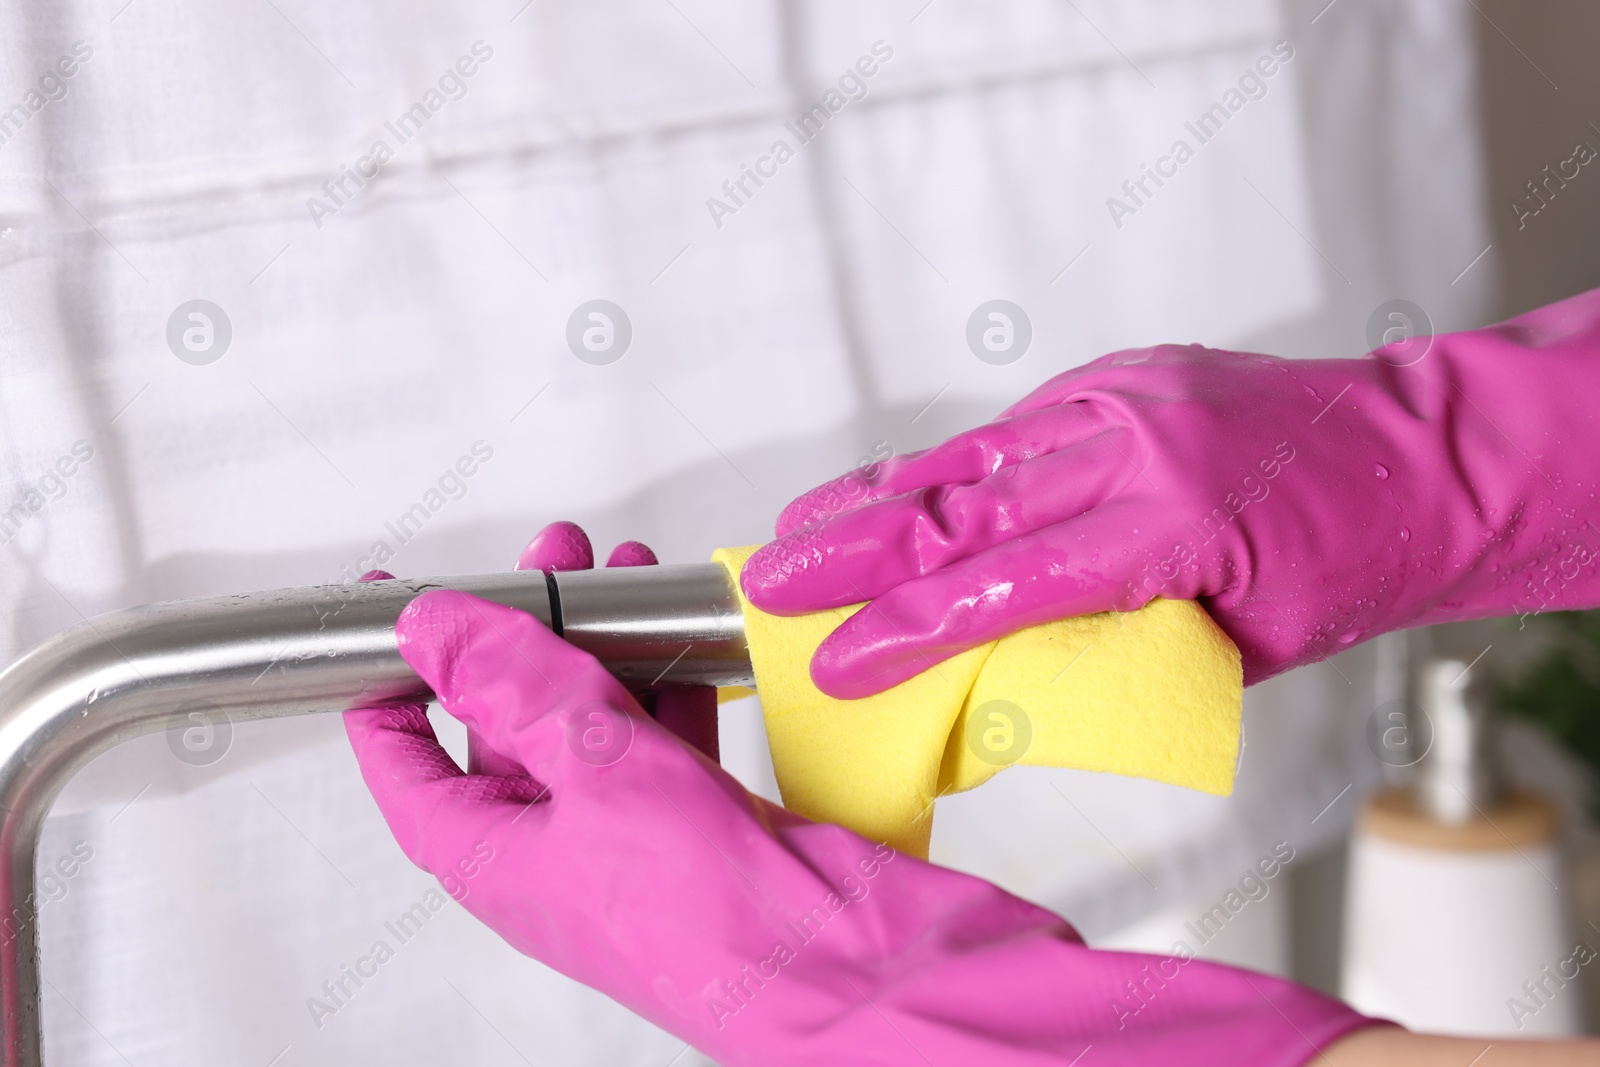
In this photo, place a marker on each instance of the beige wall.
(1529, 123)
(1523, 47)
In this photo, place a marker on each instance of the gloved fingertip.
(846, 680)
(432, 633)
(761, 573)
(560, 546)
(773, 578)
(753, 586)
(377, 576)
(463, 646)
(632, 554)
(855, 662)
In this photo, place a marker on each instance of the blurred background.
(265, 342)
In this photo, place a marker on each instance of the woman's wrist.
(1391, 1046)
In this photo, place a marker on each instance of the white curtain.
(383, 330)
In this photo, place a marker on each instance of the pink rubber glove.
(640, 868)
(1307, 505)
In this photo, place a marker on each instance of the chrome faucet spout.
(293, 652)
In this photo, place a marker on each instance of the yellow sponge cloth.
(1154, 693)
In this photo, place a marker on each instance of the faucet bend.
(293, 652)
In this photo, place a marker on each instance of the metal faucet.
(293, 652)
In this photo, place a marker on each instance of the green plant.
(1560, 690)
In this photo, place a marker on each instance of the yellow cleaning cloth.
(1154, 693)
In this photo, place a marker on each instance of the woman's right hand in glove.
(1307, 504)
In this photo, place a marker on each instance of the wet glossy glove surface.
(1307, 505)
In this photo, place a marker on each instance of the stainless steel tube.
(291, 652)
